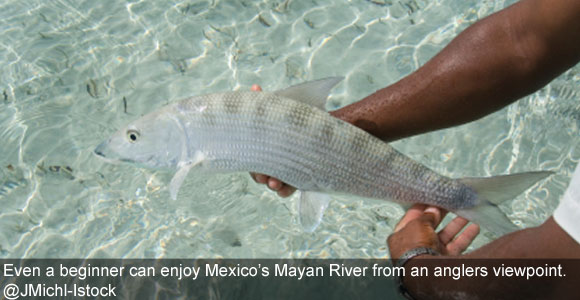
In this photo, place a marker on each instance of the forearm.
(488, 66)
(545, 241)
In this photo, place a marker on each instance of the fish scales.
(264, 132)
(290, 140)
(316, 147)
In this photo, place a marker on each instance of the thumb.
(431, 216)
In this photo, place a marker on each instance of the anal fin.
(311, 208)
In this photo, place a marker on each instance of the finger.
(413, 213)
(256, 88)
(261, 178)
(286, 190)
(452, 229)
(443, 212)
(432, 215)
(462, 241)
(253, 175)
(274, 184)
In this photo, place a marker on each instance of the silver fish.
(288, 135)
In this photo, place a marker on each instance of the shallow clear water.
(74, 71)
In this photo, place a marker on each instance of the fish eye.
(132, 135)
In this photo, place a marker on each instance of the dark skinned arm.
(491, 64)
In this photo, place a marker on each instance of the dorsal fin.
(312, 92)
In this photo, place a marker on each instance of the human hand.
(417, 229)
(274, 184)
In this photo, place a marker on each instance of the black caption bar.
(276, 278)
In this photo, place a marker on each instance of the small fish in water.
(63, 171)
(11, 180)
(9, 185)
(288, 135)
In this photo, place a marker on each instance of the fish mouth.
(100, 150)
(103, 152)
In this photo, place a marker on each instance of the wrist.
(403, 260)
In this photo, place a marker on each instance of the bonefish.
(288, 135)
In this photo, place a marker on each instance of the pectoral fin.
(311, 208)
(182, 171)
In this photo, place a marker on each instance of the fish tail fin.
(492, 191)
